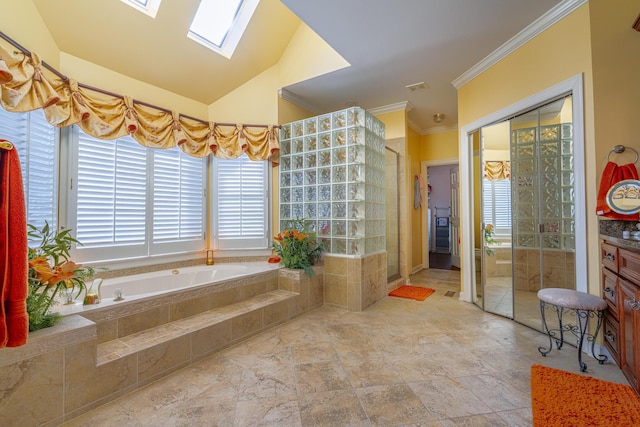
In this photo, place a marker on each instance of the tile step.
(159, 335)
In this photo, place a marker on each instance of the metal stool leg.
(602, 358)
(541, 349)
(560, 342)
(582, 317)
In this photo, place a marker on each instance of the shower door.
(392, 199)
(543, 206)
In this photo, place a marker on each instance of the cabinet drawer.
(629, 265)
(609, 256)
(609, 290)
(611, 337)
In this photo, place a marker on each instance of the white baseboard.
(417, 268)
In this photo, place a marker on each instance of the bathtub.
(172, 283)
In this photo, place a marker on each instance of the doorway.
(545, 239)
(440, 243)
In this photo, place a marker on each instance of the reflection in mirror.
(543, 206)
(496, 220)
(524, 210)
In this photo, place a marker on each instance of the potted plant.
(51, 273)
(489, 234)
(297, 246)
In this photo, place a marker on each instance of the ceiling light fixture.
(417, 86)
(438, 117)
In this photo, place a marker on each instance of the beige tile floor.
(440, 362)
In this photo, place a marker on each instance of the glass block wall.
(543, 187)
(332, 174)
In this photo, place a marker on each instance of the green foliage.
(297, 246)
(488, 238)
(51, 271)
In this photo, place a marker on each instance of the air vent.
(417, 86)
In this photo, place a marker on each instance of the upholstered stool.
(584, 306)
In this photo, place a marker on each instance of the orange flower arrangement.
(50, 272)
(297, 247)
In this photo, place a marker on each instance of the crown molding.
(557, 13)
(413, 125)
(398, 106)
(295, 99)
(440, 129)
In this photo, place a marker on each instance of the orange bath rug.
(412, 292)
(561, 398)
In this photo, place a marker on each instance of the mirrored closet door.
(527, 229)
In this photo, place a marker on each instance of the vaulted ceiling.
(389, 44)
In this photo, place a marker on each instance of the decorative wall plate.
(624, 197)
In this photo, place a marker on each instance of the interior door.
(543, 206)
(455, 217)
(495, 228)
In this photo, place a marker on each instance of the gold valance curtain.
(497, 170)
(108, 116)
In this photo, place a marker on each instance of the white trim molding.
(398, 106)
(287, 95)
(439, 129)
(557, 13)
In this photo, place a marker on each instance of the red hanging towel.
(611, 175)
(14, 321)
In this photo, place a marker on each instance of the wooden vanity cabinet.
(621, 290)
(630, 322)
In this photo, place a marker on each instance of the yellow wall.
(413, 139)
(439, 146)
(21, 21)
(559, 53)
(256, 101)
(307, 56)
(616, 81)
(104, 78)
(395, 124)
(289, 112)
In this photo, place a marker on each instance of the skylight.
(219, 24)
(148, 7)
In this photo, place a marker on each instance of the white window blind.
(496, 204)
(37, 144)
(178, 194)
(111, 194)
(240, 204)
(135, 202)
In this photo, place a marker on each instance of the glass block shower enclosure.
(332, 175)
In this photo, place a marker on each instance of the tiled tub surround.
(355, 283)
(87, 360)
(153, 283)
(558, 272)
(499, 263)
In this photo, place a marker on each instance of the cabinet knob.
(610, 337)
(635, 305)
(609, 291)
(610, 257)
